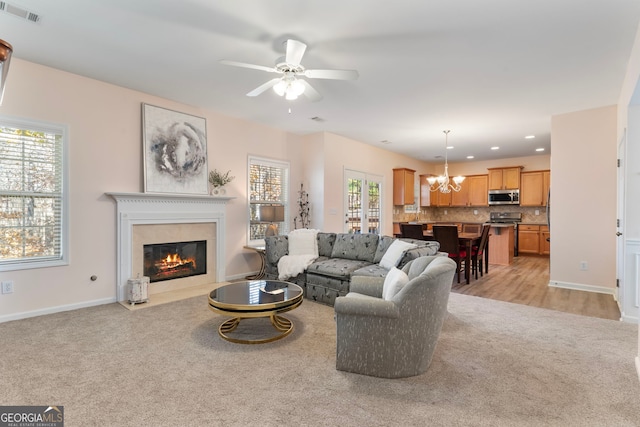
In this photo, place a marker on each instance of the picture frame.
(174, 151)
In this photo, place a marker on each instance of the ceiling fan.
(290, 84)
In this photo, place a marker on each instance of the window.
(268, 186)
(33, 203)
(362, 189)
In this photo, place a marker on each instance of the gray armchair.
(395, 338)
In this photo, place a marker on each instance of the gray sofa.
(341, 257)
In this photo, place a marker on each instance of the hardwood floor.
(526, 281)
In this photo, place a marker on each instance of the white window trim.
(43, 126)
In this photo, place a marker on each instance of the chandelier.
(444, 184)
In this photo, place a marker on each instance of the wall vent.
(19, 12)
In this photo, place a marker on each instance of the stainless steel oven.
(514, 218)
(504, 197)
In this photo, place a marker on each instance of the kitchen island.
(502, 244)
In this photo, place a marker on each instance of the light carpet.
(496, 364)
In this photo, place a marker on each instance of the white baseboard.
(629, 319)
(582, 287)
(58, 309)
(240, 276)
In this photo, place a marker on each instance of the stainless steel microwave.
(504, 197)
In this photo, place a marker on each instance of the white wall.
(629, 118)
(583, 199)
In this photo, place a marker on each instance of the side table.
(263, 262)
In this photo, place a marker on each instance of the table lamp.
(271, 214)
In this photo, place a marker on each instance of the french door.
(363, 202)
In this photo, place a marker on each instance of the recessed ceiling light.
(529, 137)
(469, 157)
(449, 147)
(495, 148)
(539, 149)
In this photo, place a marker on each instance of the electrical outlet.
(537, 211)
(7, 287)
(475, 211)
(584, 266)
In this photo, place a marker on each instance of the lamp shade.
(5, 58)
(271, 213)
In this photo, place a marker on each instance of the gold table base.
(282, 324)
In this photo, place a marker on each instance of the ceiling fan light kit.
(291, 85)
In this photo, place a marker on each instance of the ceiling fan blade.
(310, 92)
(332, 74)
(295, 51)
(263, 87)
(245, 65)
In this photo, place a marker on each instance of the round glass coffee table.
(255, 298)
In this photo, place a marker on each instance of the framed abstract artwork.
(174, 151)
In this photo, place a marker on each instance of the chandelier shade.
(444, 183)
(5, 58)
(289, 87)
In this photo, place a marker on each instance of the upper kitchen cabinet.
(534, 187)
(403, 186)
(504, 178)
(473, 192)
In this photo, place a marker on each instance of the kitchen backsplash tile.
(477, 214)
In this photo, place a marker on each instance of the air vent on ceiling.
(19, 12)
(317, 119)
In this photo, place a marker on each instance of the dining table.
(468, 240)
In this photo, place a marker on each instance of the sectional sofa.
(342, 256)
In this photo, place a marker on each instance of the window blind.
(31, 193)
(268, 184)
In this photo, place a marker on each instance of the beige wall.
(583, 198)
(529, 163)
(343, 153)
(106, 156)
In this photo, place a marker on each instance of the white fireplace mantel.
(149, 208)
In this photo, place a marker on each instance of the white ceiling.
(491, 71)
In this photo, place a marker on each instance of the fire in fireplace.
(167, 261)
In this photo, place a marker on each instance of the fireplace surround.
(133, 209)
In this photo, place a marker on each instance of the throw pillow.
(393, 283)
(394, 253)
(303, 242)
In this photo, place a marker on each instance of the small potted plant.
(218, 180)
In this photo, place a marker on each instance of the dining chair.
(477, 253)
(447, 236)
(411, 231)
(471, 228)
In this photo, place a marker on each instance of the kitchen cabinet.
(532, 239)
(440, 199)
(478, 190)
(473, 192)
(425, 191)
(534, 187)
(504, 178)
(545, 245)
(403, 186)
